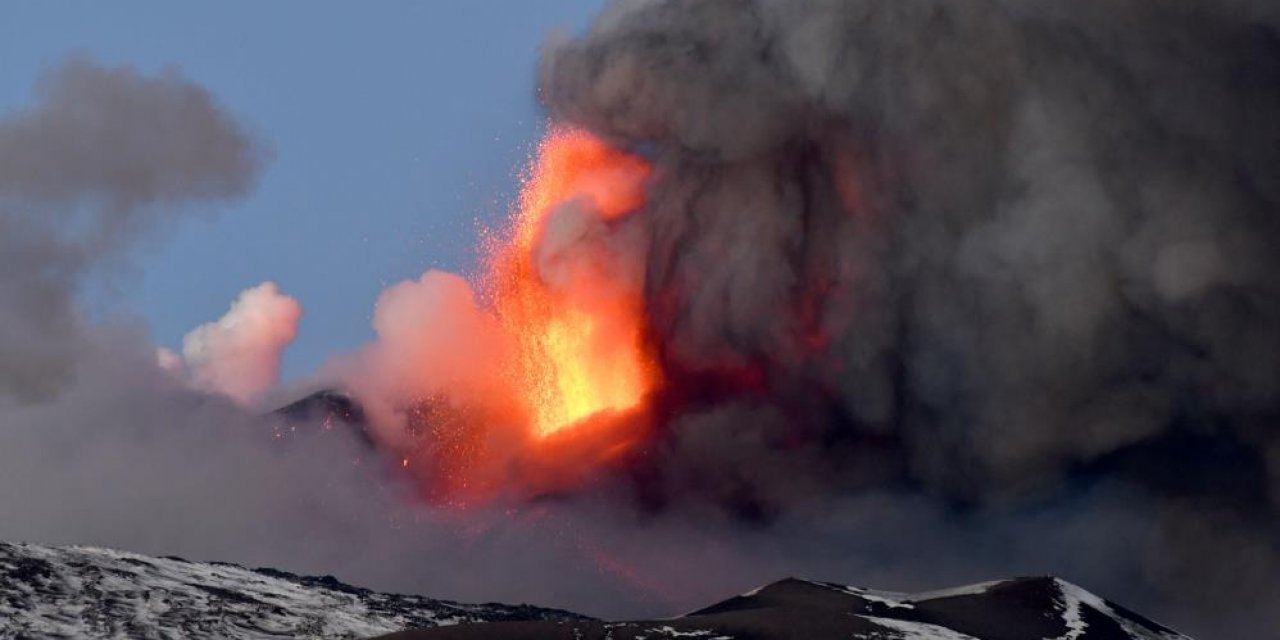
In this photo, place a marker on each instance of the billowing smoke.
(433, 338)
(239, 354)
(967, 232)
(994, 253)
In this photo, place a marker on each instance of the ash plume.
(994, 253)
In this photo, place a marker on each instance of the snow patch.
(890, 599)
(898, 600)
(672, 632)
(917, 630)
(1072, 599)
(966, 590)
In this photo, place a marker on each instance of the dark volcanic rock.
(323, 410)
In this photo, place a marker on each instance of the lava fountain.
(562, 285)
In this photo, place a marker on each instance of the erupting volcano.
(534, 376)
(892, 292)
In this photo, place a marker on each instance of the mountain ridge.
(1028, 608)
(92, 592)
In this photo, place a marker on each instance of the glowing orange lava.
(563, 289)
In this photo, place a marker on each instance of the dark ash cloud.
(994, 253)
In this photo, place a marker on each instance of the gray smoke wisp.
(995, 253)
(103, 159)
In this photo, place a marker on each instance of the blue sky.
(395, 127)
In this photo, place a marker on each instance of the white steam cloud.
(239, 354)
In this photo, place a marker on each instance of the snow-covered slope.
(84, 592)
(1016, 609)
(1042, 607)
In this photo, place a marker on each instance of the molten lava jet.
(563, 287)
(539, 376)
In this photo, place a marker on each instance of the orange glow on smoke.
(571, 306)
